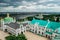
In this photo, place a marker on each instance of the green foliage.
(30, 18)
(57, 19)
(11, 37)
(20, 20)
(19, 37)
(51, 17)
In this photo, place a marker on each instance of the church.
(9, 24)
(44, 28)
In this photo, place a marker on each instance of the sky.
(29, 5)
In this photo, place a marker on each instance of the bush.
(13, 37)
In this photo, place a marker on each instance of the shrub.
(13, 37)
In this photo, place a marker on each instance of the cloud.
(29, 5)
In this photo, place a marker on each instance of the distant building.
(40, 16)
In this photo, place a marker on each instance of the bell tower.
(7, 14)
(14, 19)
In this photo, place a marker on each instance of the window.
(5, 30)
(27, 27)
(39, 31)
(55, 35)
(42, 33)
(46, 35)
(21, 32)
(33, 29)
(49, 37)
(42, 29)
(24, 30)
(21, 26)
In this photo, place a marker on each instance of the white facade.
(13, 31)
(35, 28)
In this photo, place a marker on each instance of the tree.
(57, 19)
(11, 37)
(19, 37)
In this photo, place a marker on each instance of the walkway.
(31, 36)
(3, 35)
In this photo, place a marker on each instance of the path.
(31, 36)
(3, 35)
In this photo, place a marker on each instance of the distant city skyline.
(29, 5)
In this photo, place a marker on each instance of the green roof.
(8, 19)
(41, 22)
(52, 25)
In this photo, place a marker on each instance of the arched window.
(46, 35)
(39, 31)
(42, 33)
(55, 35)
(5, 30)
(21, 32)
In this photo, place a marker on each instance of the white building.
(8, 24)
(44, 28)
(40, 16)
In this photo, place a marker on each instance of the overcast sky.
(29, 5)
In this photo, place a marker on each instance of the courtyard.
(3, 35)
(29, 36)
(32, 36)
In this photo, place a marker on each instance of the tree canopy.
(13, 37)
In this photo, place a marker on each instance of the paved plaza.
(31, 36)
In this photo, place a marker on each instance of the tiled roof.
(24, 24)
(54, 25)
(14, 25)
(43, 23)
